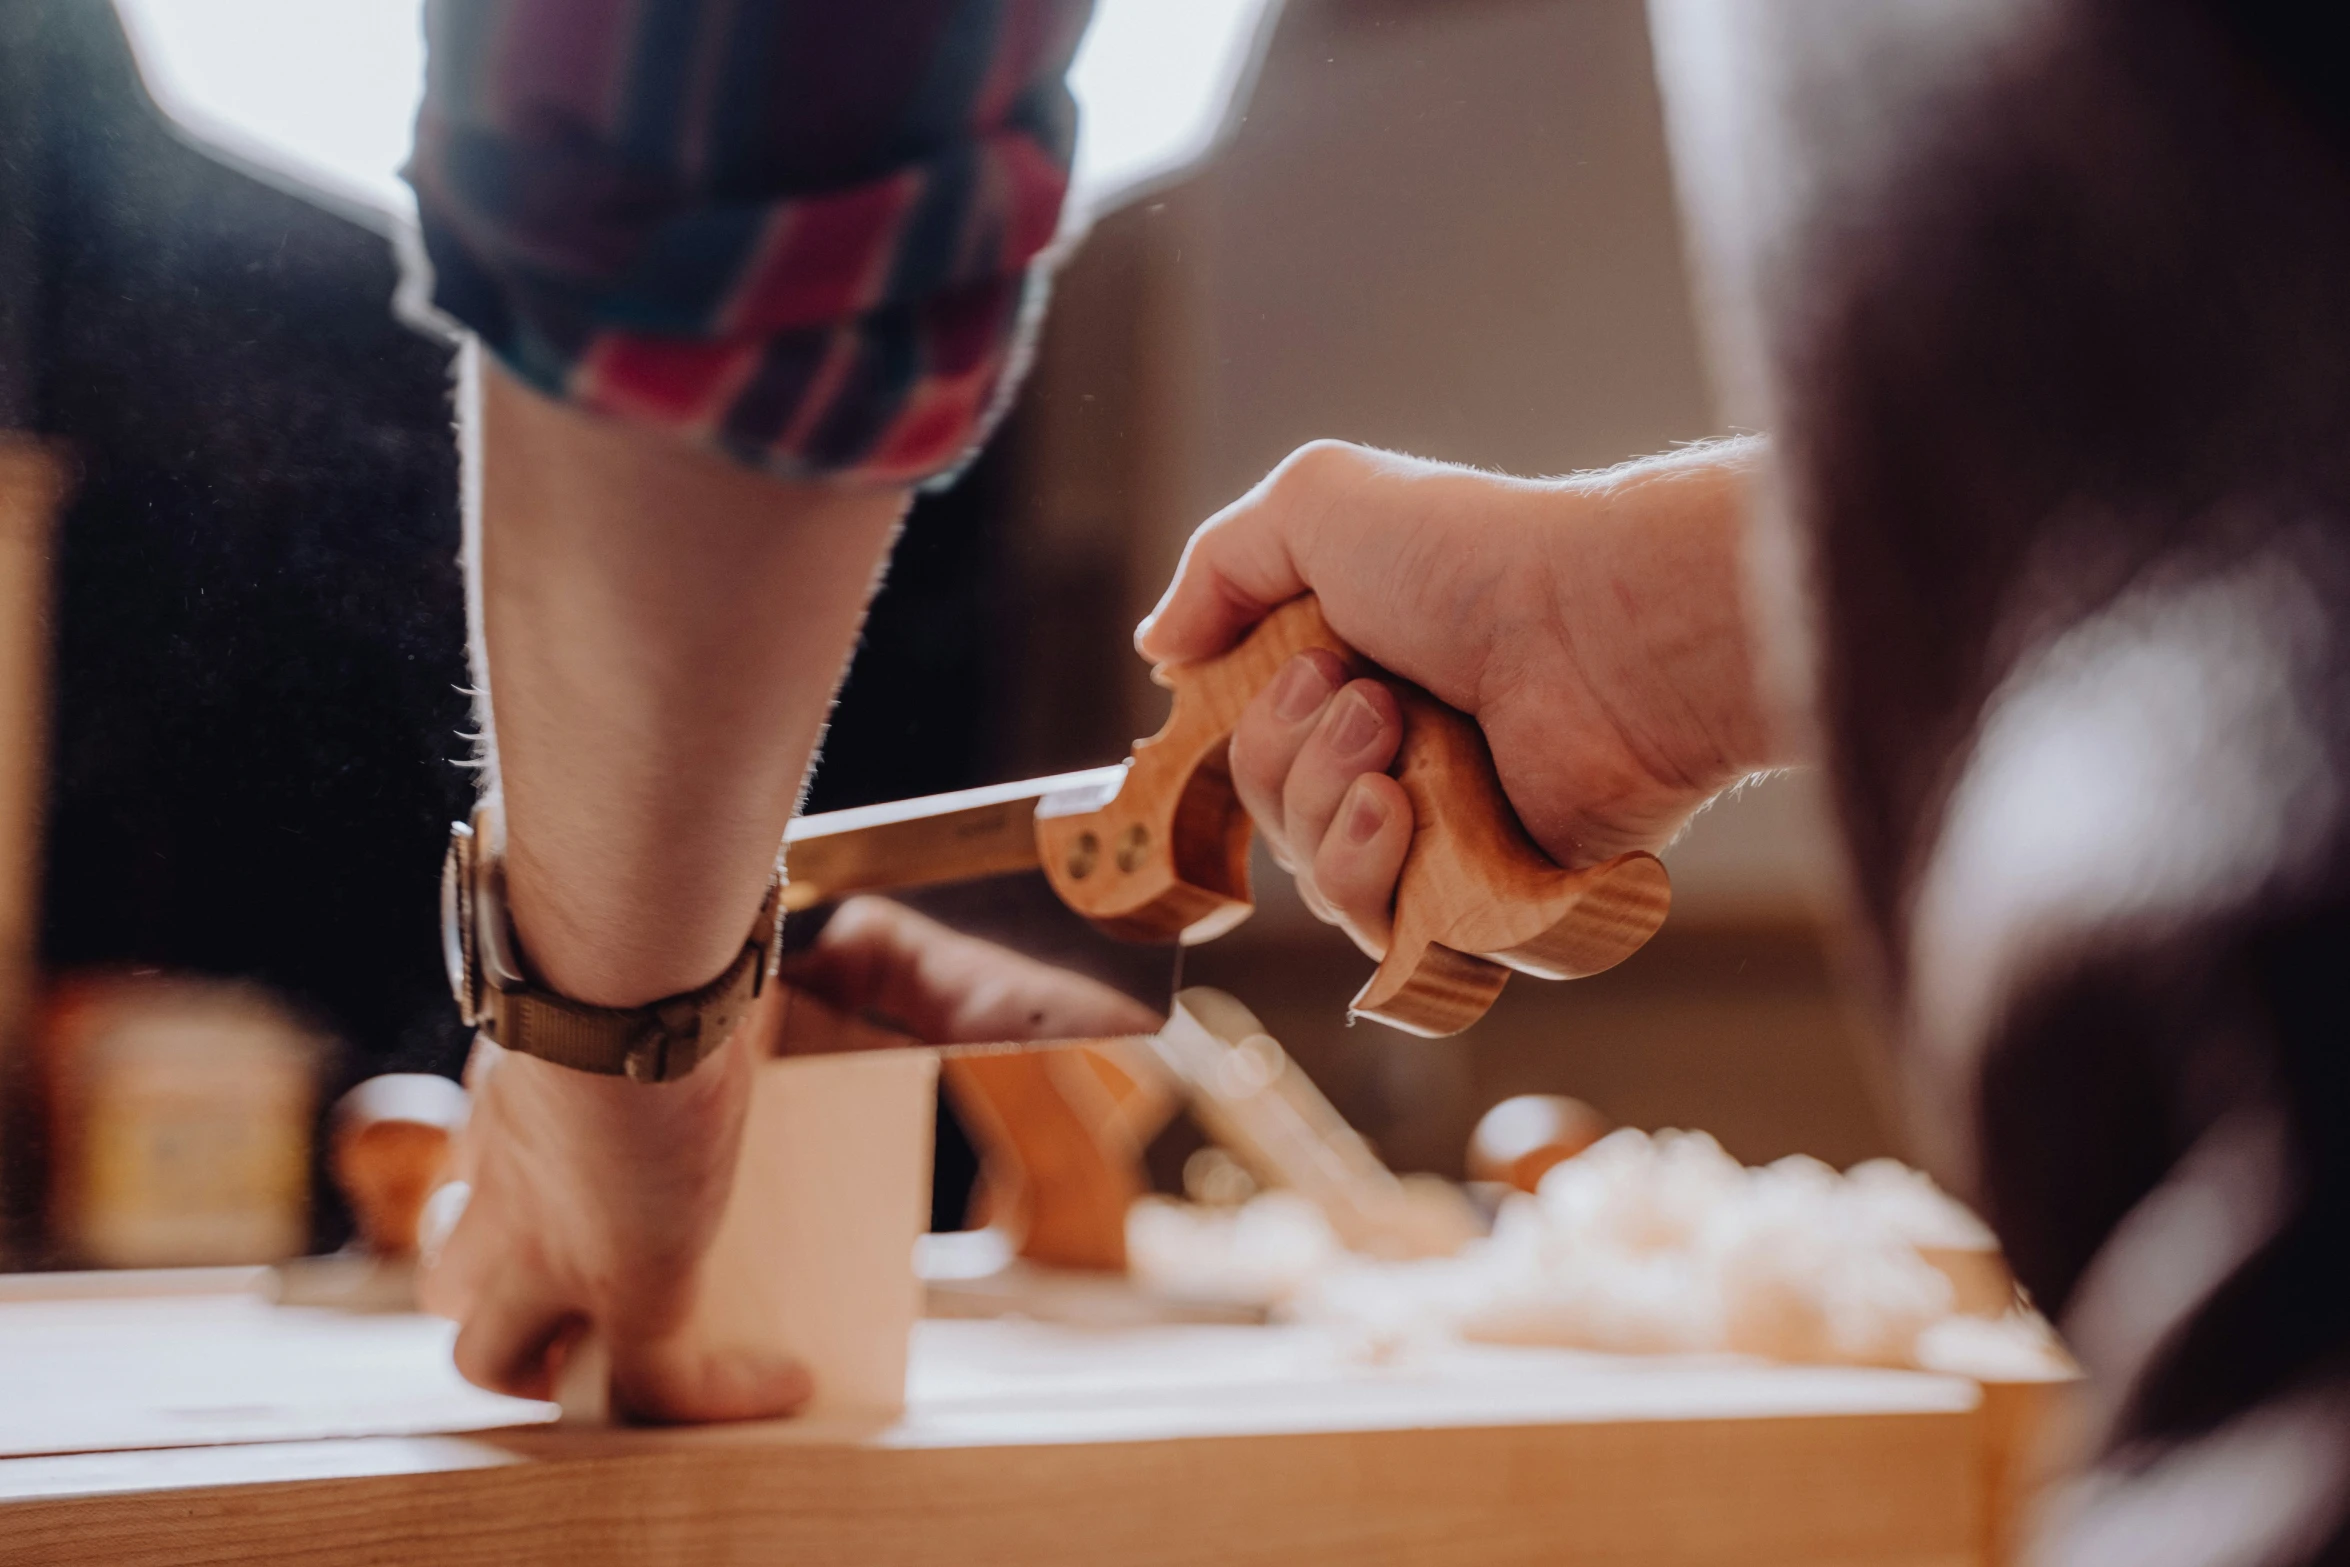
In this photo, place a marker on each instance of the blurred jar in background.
(180, 1115)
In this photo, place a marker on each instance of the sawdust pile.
(1640, 1244)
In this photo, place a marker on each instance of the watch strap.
(656, 1043)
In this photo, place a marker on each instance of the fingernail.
(1142, 630)
(1358, 725)
(1364, 817)
(1302, 687)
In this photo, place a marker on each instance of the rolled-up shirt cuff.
(865, 334)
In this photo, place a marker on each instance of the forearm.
(663, 633)
(661, 627)
(1646, 578)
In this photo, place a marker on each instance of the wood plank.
(813, 1259)
(1687, 1493)
(1027, 1443)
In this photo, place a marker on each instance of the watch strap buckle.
(659, 1042)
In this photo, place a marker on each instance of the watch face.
(457, 918)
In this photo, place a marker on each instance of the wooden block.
(816, 1252)
(814, 1256)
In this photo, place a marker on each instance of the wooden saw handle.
(1166, 859)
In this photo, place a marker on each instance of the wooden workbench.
(346, 1439)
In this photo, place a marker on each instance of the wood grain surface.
(1032, 1444)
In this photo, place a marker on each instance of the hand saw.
(1153, 853)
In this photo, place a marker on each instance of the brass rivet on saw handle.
(1133, 845)
(1082, 855)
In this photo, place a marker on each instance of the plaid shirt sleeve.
(806, 232)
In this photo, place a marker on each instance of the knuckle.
(1319, 465)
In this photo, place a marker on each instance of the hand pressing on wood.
(1592, 626)
(591, 1202)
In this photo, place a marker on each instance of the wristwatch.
(659, 1042)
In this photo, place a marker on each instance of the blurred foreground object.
(2043, 305)
(33, 484)
(179, 1115)
(1518, 1140)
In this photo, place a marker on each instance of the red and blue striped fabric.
(806, 232)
